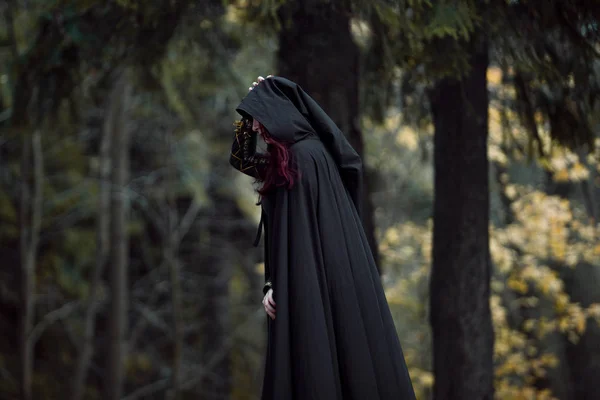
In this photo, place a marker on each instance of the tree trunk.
(171, 255)
(27, 284)
(178, 322)
(216, 385)
(583, 357)
(463, 337)
(31, 220)
(119, 240)
(102, 239)
(316, 50)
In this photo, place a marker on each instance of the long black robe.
(333, 336)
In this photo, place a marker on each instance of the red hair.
(280, 170)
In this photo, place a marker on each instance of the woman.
(330, 331)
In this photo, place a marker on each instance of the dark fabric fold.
(260, 229)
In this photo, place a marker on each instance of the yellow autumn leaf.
(529, 325)
(580, 324)
(426, 379)
(594, 310)
(563, 324)
(494, 76)
(511, 191)
(392, 236)
(259, 268)
(497, 155)
(561, 175)
(561, 302)
(578, 172)
(518, 286)
(408, 138)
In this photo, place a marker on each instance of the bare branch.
(50, 318)
(152, 317)
(187, 221)
(148, 390)
(36, 212)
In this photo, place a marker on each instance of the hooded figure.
(333, 336)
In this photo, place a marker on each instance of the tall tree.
(217, 270)
(86, 347)
(317, 51)
(460, 276)
(173, 229)
(31, 220)
(119, 249)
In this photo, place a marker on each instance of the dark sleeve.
(243, 155)
(268, 285)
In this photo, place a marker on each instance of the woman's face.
(260, 129)
(256, 126)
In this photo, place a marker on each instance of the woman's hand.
(259, 79)
(269, 304)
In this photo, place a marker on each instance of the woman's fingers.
(259, 79)
(270, 310)
(269, 304)
(269, 297)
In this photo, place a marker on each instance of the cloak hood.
(289, 114)
(273, 103)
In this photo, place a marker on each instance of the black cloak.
(333, 337)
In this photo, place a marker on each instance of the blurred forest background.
(127, 269)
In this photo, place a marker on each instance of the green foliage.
(457, 21)
(261, 14)
(549, 53)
